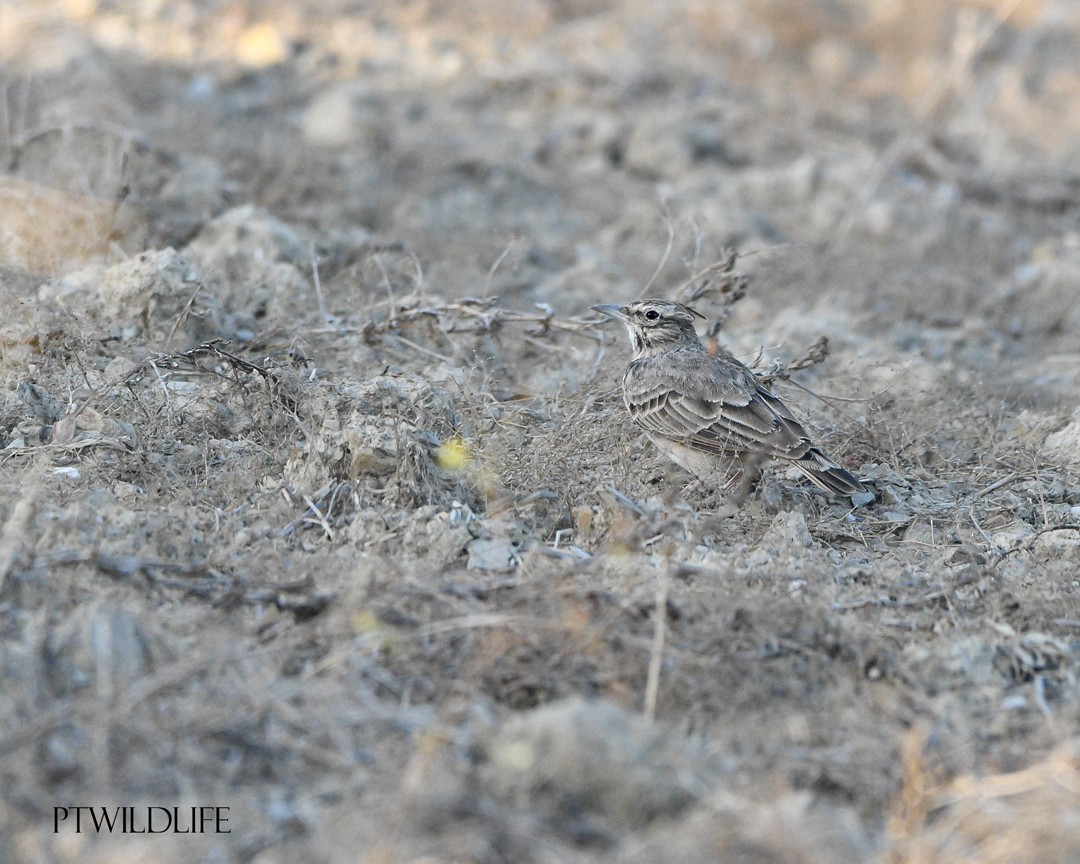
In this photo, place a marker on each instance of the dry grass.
(1027, 815)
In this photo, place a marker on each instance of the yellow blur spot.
(517, 756)
(262, 45)
(364, 622)
(452, 455)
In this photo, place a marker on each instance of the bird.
(706, 410)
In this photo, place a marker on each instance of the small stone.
(890, 494)
(330, 119)
(789, 529)
(923, 533)
(1060, 540)
(1010, 537)
(118, 369)
(372, 461)
(492, 554)
(446, 539)
(861, 499)
(957, 555)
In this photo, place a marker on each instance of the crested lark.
(703, 408)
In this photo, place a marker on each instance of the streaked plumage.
(704, 408)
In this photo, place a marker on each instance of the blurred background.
(923, 152)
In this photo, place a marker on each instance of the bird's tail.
(827, 475)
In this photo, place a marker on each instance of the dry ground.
(319, 502)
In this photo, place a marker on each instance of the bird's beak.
(611, 310)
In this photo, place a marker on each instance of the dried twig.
(320, 517)
(670, 224)
(656, 658)
(719, 280)
(317, 283)
(815, 354)
(993, 487)
(190, 360)
(498, 263)
(1028, 543)
(183, 313)
(485, 314)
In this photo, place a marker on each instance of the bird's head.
(656, 326)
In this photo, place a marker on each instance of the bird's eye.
(652, 314)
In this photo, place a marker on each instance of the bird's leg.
(746, 479)
(693, 487)
(700, 486)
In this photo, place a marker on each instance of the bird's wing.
(716, 405)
